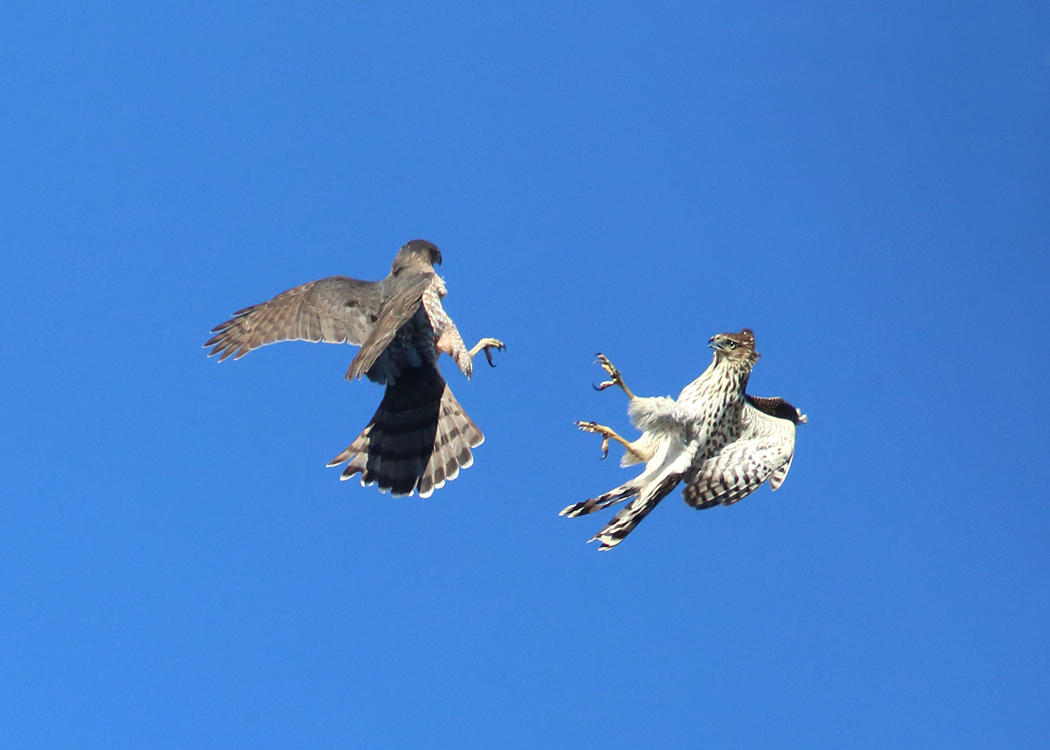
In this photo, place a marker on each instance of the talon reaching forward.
(607, 433)
(714, 437)
(419, 437)
(614, 376)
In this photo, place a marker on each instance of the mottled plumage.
(722, 443)
(419, 437)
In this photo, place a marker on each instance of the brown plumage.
(419, 437)
(722, 443)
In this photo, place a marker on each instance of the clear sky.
(866, 185)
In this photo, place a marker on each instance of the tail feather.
(456, 435)
(417, 440)
(623, 523)
(625, 491)
(656, 464)
(669, 463)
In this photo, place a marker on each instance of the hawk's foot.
(484, 345)
(614, 376)
(607, 434)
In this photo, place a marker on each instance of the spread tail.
(418, 439)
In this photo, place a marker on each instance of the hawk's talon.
(488, 354)
(599, 430)
(614, 376)
(484, 345)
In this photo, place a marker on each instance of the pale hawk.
(715, 438)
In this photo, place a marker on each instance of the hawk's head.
(418, 255)
(735, 347)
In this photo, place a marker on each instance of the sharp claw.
(488, 346)
(593, 427)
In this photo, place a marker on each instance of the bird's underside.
(419, 437)
(718, 441)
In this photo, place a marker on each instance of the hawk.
(420, 437)
(722, 443)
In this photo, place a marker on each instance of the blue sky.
(866, 185)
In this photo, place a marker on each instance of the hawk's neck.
(722, 383)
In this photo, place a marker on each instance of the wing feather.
(397, 310)
(763, 451)
(334, 310)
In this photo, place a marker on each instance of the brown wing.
(396, 310)
(334, 310)
(775, 406)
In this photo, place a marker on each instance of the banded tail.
(418, 439)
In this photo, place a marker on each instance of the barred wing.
(762, 452)
(334, 310)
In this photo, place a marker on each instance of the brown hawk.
(714, 437)
(420, 437)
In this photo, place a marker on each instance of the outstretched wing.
(397, 309)
(763, 451)
(335, 310)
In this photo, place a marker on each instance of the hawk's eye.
(732, 344)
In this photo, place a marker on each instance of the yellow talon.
(614, 376)
(484, 345)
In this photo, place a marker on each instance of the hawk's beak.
(714, 343)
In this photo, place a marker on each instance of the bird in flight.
(722, 443)
(420, 437)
